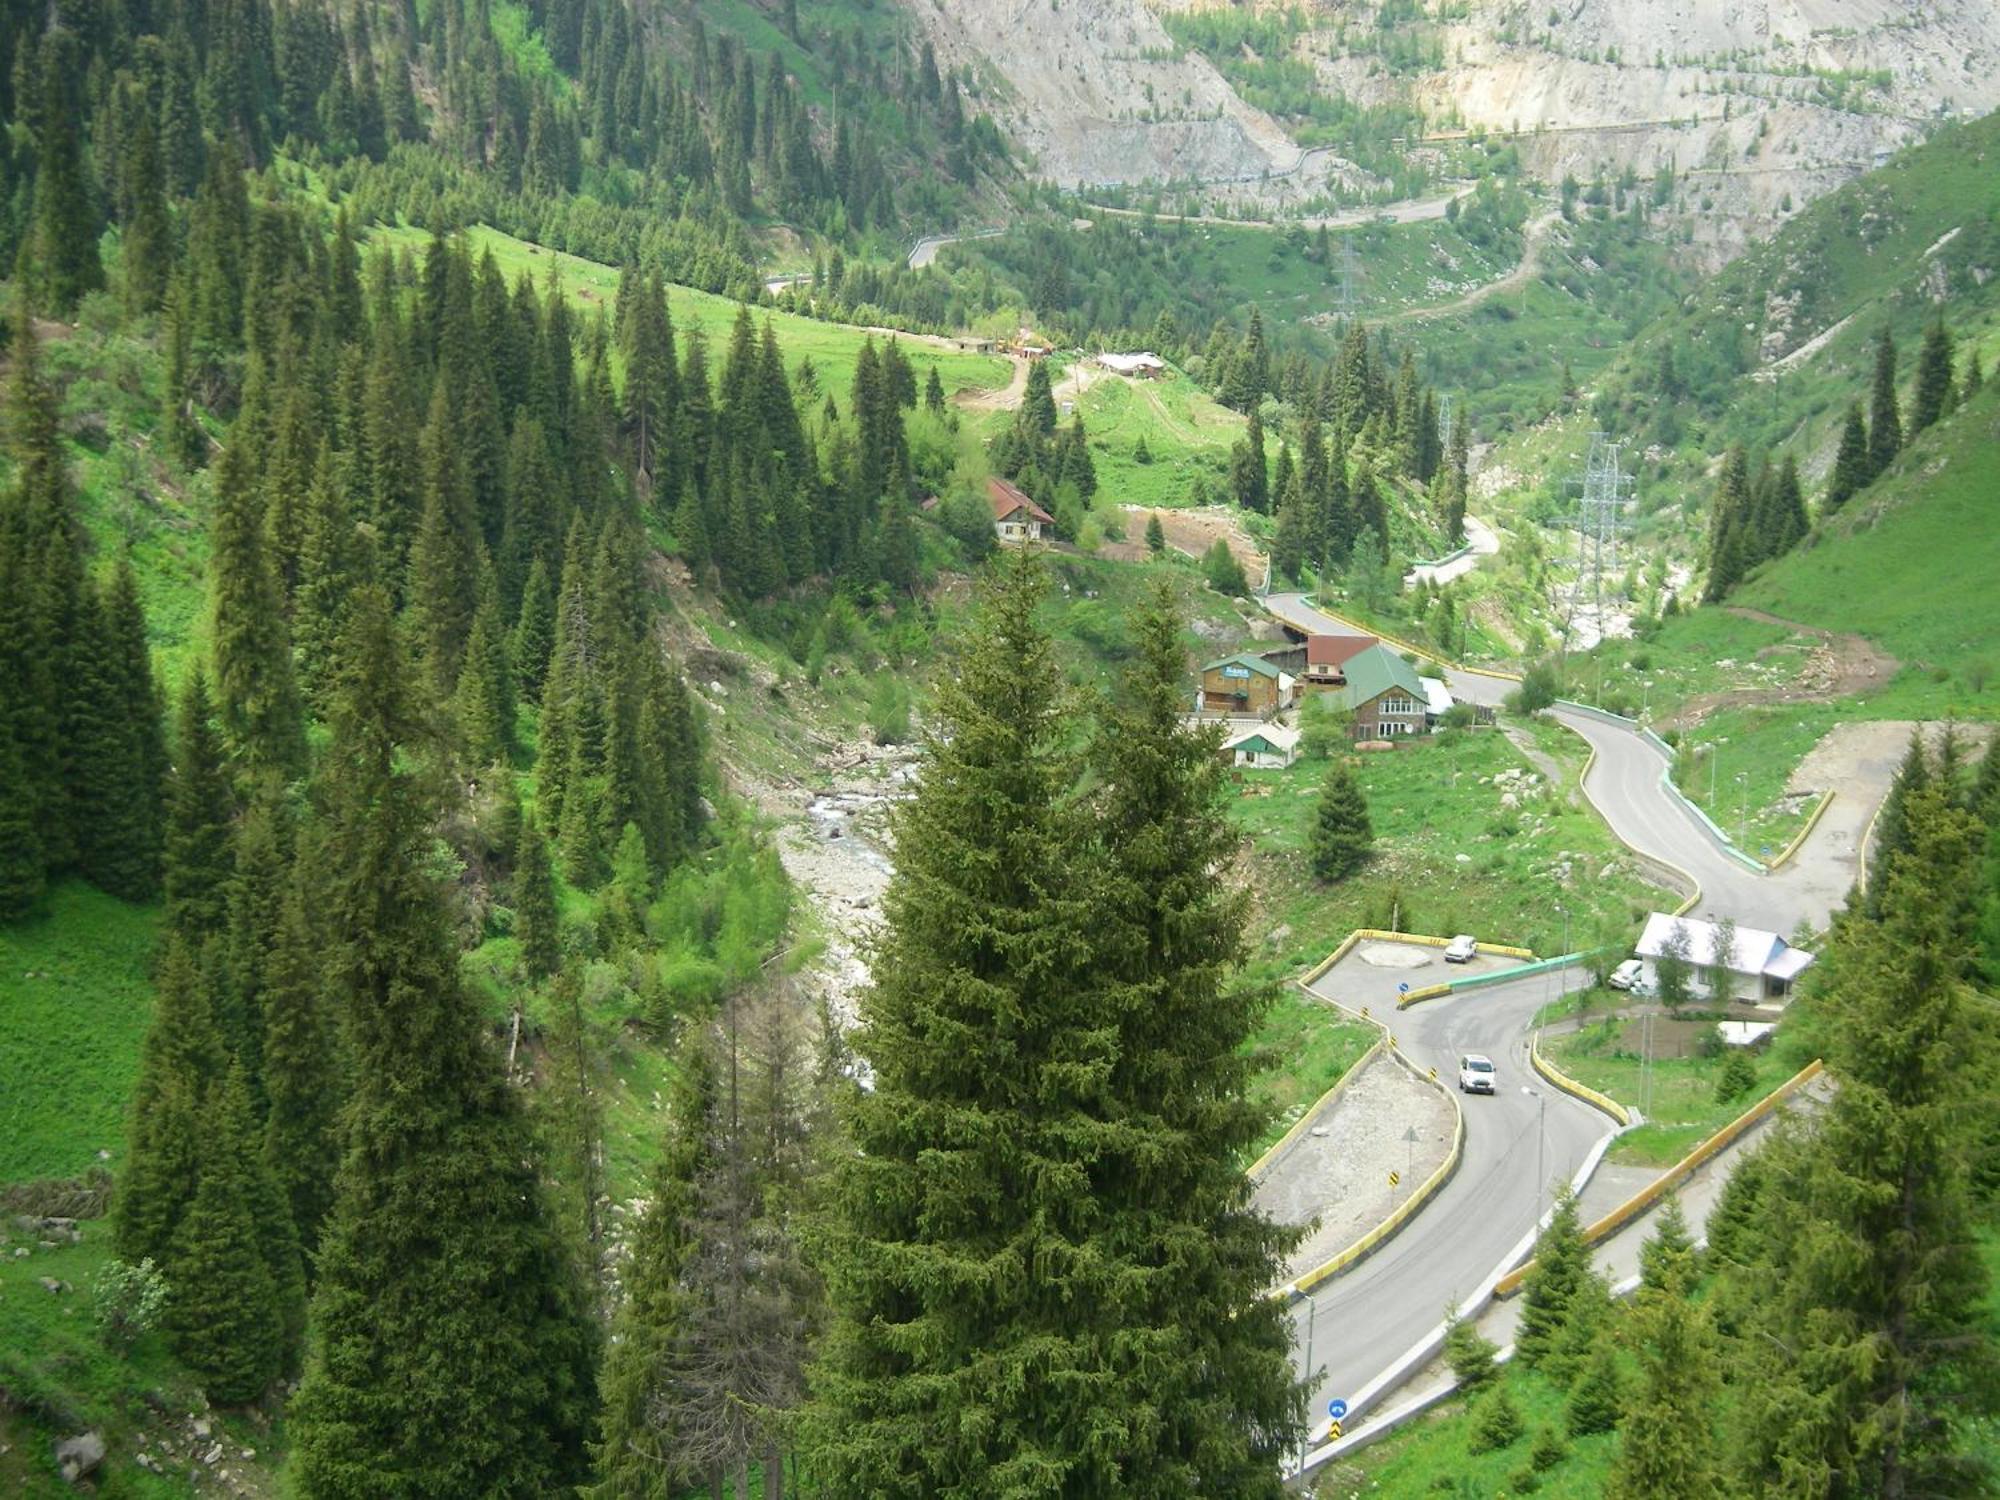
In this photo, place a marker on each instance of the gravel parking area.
(1337, 1169)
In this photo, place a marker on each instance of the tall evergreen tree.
(1866, 1351)
(1666, 1446)
(1170, 935)
(256, 694)
(200, 812)
(1249, 480)
(636, 1459)
(452, 1353)
(1885, 424)
(1342, 833)
(1850, 464)
(303, 1077)
(1934, 386)
(59, 261)
(224, 1313)
(935, 1377)
(1562, 1261)
(181, 1062)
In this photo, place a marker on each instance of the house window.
(1398, 706)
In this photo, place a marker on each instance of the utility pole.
(1541, 1144)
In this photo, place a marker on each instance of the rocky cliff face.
(1097, 91)
(1758, 106)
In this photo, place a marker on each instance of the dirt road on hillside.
(1534, 241)
(1192, 532)
(1840, 665)
(1007, 398)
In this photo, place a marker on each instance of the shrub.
(889, 711)
(1738, 1077)
(1538, 689)
(1593, 1405)
(1496, 1422)
(1549, 1450)
(1224, 574)
(1469, 1355)
(130, 1300)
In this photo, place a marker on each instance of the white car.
(1461, 949)
(1475, 1074)
(1630, 975)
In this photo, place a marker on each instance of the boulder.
(79, 1456)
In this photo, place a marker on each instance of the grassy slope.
(1909, 564)
(75, 1000)
(832, 347)
(1428, 807)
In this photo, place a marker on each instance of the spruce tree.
(1866, 1352)
(21, 875)
(635, 1457)
(1667, 1256)
(1892, 825)
(1342, 833)
(1596, 1399)
(1850, 464)
(935, 1377)
(200, 812)
(1562, 1261)
(256, 694)
(1170, 934)
(483, 706)
(452, 1354)
(535, 919)
(181, 1061)
(303, 1082)
(224, 1313)
(1038, 403)
(58, 262)
(534, 631)
(1666, 1446)
(1934, 388)
(1885, 425)
(1248, 481)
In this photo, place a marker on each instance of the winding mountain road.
(1362, 1324)
(1518, 1147)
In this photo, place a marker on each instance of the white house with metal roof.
(1760, 967)
(1262, 747)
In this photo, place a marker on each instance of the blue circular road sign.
(1336, 1408)
(1403, 988)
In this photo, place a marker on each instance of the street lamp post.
(1742, 806)
(1541, 1144)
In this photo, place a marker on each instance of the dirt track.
(1840, 665)
(1192, 532)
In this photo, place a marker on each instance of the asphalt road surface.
(1361, 1323)
(1518, 1148)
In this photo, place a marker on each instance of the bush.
(1549, 1450)
(1524, 1480)
(889, 711)
(130, 1300)
(1538, 689)
(1469, 1355)
(1738, 1077)
(1496, 1422)
(1593, 1405)
(1224, 574)
(1708, 1042)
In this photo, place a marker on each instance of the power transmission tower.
(1601, 496)
(1347, 284)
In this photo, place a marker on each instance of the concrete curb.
(1482, 981)
(1861, 860)
(1687, 877)
(1575, 1090)
(1636, 1205)
(1825, 801)
(1426, 1348)
(1722, 840)
(1298, 1125)
(1403, 1212)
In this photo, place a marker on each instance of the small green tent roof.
(1256, 664)
(1373, 672)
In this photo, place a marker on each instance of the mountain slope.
(1099, 93)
